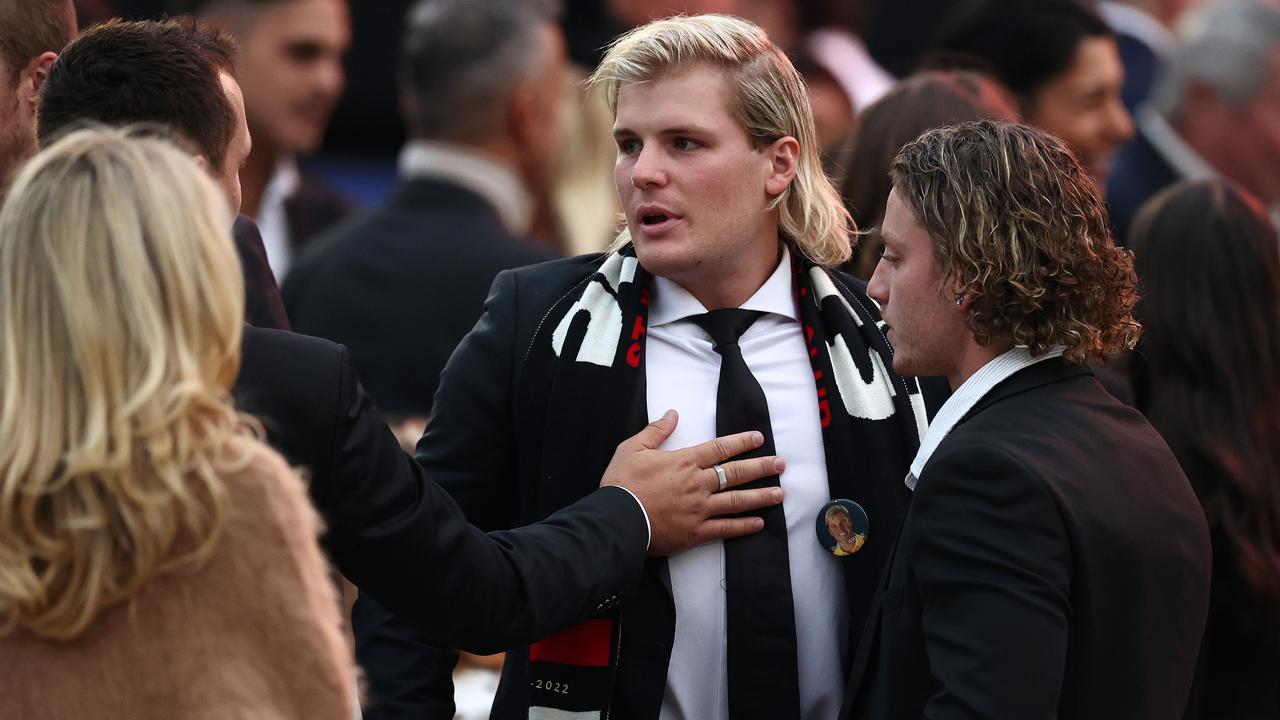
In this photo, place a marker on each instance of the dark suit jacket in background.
(402, 284)
(390, 529)
(1054, 563)
(1140, 172)
(262, 304)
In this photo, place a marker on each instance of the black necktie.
(761, 662)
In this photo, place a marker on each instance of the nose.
(1121, 123)
(878, 286)
(330, 76)
(647, 171)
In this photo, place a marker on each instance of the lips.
(656, 219)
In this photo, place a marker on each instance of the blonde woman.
(156, 561)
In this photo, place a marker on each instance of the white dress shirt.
(273, 222)
(682, 370)
(475, 170)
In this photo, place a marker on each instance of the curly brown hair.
(1017, 223)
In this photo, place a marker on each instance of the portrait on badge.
(842, 527)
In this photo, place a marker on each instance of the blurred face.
(292, 73)
(543, 108)
(17, 136)
(694, 189)
(840, 528)
(1082, 106)
(1247, 147)
(926, 326)
(228, 176)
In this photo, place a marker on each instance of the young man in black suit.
(718, 300)
(1054, 561)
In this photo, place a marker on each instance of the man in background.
(1215, 111)
(32, 33)
(403, 283)
(292, 75)
(1061, 63)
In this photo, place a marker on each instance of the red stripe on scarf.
(584, 645)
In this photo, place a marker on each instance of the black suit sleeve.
(400, 537)
(993, 567)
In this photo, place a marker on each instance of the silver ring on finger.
(721, 475)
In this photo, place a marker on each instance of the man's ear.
(33, 77)
(784, 161)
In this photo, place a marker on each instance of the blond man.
(718, 301)
(1054, 562)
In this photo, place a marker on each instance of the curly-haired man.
(1054, 561)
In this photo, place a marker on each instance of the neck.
(254, 176)
(974, 356)
(732, 289)
(736, 278)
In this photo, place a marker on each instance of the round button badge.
(842, 527)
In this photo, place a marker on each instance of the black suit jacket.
(401, 285)
(400, 536)
(496, 441)
(1054, 563)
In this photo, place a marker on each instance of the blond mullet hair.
(121, 310)
(768, 98)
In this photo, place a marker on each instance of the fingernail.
(779, 465)
(776, 495)
(758, 523)
(757, 438)
(668, 414)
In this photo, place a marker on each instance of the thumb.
(657, 432)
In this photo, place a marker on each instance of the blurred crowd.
(507, 159)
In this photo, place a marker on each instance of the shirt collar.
(1184, 160)
(474, 170)
(671, 303)
(284, 182)
(970, 392)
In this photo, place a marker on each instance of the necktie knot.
(726, 325)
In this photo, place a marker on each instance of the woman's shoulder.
(262, 489)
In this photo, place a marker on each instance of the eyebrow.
(679, 130)
(886, 238)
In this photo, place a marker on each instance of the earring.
(959, 299)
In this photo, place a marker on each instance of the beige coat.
(255, 634)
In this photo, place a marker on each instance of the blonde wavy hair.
(121, 310)
(769, 99)
(1017, 225)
